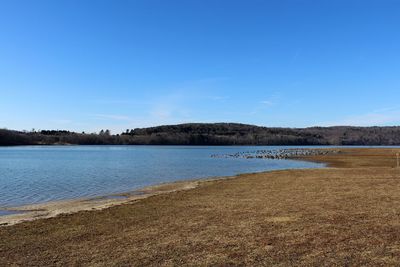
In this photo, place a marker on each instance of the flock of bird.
(277, 153)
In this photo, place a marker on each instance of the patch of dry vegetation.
(347, 215)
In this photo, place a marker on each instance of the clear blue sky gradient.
(87, 65)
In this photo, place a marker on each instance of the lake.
(37, 174)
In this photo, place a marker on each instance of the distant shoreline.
(212, 134)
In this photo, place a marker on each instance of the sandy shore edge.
(55, 208)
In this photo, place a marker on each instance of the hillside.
(212, 134)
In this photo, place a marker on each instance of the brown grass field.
(345, 215)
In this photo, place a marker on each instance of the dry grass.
(348, 215)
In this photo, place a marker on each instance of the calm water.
(47, 173)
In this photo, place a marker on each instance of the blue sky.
(90, 65)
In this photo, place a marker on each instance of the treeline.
(52, 137)
(211, 134)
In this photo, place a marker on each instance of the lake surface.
(36, 174)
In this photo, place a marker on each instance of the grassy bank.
(346, 215)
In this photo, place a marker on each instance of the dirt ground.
(344, 215)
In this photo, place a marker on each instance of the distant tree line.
(210, 134)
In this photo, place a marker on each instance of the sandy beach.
(345, 214)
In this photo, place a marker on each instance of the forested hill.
(212, 134)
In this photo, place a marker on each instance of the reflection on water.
(46, 173)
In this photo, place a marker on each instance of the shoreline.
(52, 209)
(344, 214)
(30, 212)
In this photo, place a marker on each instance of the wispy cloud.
(112, 117)
(61, 121)
(271, 101)
(170, 108)
(379, 117)
(207, 80)
(219, 98)
(116, 101)
(268, 103)
(295, 56)
(388, 109)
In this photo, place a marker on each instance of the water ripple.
(40, 174)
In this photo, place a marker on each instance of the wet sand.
(14, 215)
